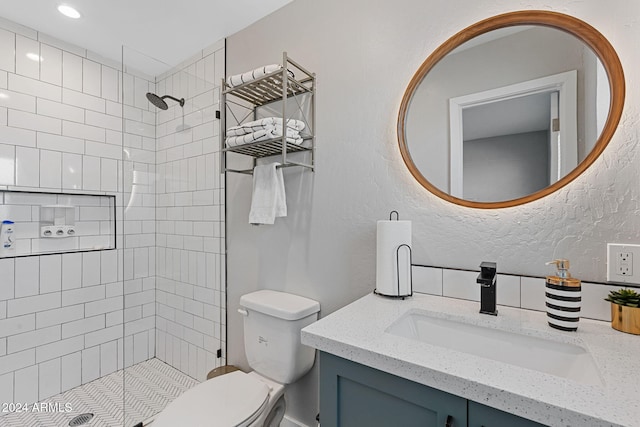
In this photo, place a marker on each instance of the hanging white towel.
(268, 200)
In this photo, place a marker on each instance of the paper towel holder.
(375, 291)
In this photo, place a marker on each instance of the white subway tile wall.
(189, 300)
(427, 280)
(512, 290)
(54, 327)
(460, 284)
(61, 130)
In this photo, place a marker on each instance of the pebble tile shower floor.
(149, 387)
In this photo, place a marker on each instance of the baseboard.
(291, 422)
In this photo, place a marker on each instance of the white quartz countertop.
(357, 332)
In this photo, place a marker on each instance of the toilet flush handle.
(243, 312)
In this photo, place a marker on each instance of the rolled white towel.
(261, 135)
(266, 123)
(238, 79)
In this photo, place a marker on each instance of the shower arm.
(180, 101)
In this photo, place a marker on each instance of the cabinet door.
(353, 395)
(484, 416)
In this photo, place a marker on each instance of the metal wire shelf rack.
(278, 86)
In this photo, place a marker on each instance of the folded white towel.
(293, 137)
(238, 79)
(268, 200)
(272, 129)
(266, 123)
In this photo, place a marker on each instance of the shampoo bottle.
(563, 296)
(8, 237)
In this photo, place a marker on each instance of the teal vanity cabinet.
(354, 395)
(485, 416)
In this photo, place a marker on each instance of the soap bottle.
(563, 298)
(8, 237)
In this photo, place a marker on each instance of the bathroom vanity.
(436, 361)
(352, 394)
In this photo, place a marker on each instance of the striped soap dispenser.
(563, 295)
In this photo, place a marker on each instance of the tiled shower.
(71, 123)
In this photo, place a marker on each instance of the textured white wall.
(364, 53)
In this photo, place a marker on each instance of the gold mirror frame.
(583, 31)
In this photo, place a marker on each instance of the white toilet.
(272, 324)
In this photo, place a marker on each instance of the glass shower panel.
(61, 293)
(139, 220)
(173, 225)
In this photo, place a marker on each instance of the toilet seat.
(235, 399)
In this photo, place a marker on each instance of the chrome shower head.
(159, 101)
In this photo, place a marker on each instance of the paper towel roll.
(390, 235)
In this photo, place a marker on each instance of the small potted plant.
(625, 311)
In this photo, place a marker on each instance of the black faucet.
(487, 280)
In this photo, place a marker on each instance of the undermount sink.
(543, 355)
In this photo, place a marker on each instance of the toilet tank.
(272, 324)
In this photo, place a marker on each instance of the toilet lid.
(229, 400)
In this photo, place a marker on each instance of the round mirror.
(511, 109)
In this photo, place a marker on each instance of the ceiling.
(521, 114)
(168, 30)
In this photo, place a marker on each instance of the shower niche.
(48, 223)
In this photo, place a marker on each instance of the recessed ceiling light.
(34, 57)
(68, 11)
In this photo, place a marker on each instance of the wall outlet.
(620, 259)
(624, 263)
